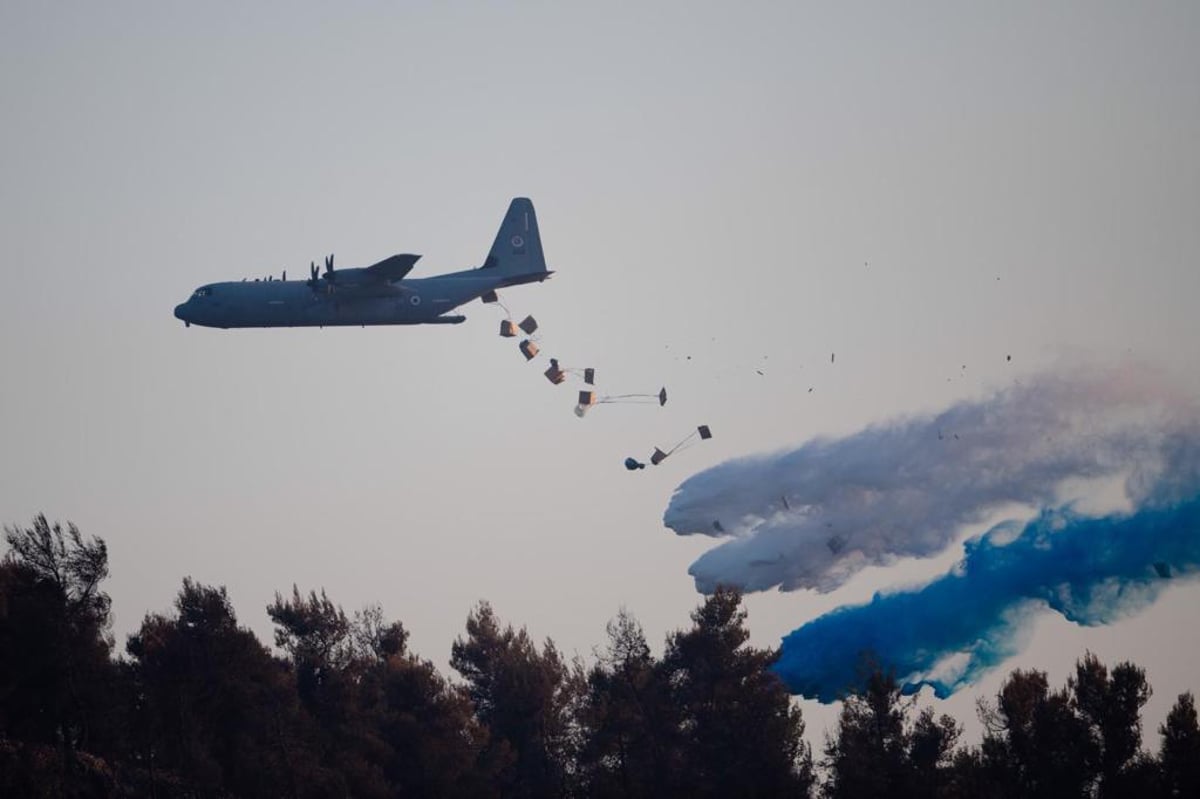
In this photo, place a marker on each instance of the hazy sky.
(916, 187)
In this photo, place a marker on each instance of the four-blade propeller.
(314, 280)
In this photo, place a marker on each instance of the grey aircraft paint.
(374, 295)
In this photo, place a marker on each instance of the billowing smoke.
(1091, 570)
(813, 516)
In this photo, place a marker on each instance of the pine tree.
(1036, 745)
(526, 698)
(740, 735)
(1111, 706)
(631, 738)
(1179, 757)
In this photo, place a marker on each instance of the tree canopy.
(194, 705)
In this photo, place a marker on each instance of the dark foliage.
(526, 698)
(1180, 754)
(876, 750)
(198, 707)
(709, 719)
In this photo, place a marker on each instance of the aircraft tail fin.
(517, 251)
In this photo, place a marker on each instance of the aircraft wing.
(392, 269)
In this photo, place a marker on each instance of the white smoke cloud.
(813, 516)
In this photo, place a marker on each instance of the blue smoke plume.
(1091, 570)
(812, 516)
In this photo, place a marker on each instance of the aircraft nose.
(179, 312)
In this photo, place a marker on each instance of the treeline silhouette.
(197, 706)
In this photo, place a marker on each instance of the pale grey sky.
(912, 186)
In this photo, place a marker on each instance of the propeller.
(314, 276)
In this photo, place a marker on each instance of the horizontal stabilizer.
(394, 268)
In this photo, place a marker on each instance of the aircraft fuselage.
(296, 303)
(380, 294)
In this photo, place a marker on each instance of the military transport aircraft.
(374, 295)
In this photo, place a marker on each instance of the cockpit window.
(204, 292)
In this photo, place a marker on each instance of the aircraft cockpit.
(201, 293)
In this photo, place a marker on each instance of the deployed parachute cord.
(660, 398)
(508, 328)
(701, 433)
(632, 399)
(493, 298)
(529, 345)
(589, 398)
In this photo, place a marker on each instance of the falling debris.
(786, 504)
(1008, 357)
(836, 544)
(717, 526)
(632, 464)
(1163, 570)
(832, 355)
